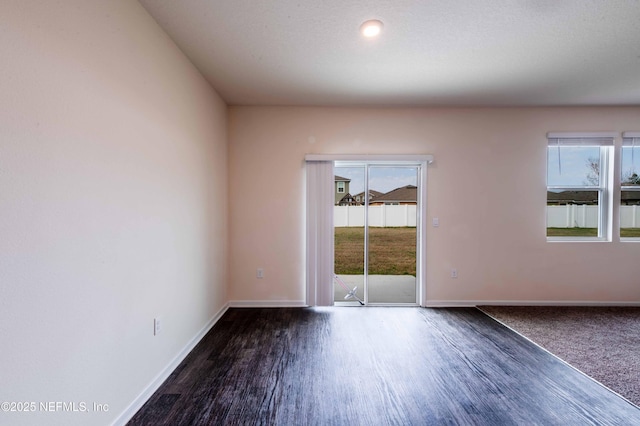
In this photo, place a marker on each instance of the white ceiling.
(431, 52)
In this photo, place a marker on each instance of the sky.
(630, 160)
(381, 179)
(568, 165)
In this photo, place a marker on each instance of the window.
(340, 187)
(578, 186)
(630, 186)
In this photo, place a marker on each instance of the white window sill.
(578, 240)
(629, 240)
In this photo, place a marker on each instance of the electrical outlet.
(454, 273)
(157, 326)
(260, 273)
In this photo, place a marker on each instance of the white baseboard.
(471, 303)
(144, 396)
(267, 304)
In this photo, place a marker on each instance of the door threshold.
(388, 305)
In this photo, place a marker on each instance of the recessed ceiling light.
(371, 28)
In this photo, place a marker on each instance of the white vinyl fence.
(584, 216)
(629, 217)
(569, 216)
(572, 216)
(383, 216)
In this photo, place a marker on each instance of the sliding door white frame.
(320, 201)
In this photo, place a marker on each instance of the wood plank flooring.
(376, 366)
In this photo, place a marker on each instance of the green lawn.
(572, 232)
(589, 232)
(629, 232)
(392, 251)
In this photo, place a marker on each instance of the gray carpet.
(602, 342)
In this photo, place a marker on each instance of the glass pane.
(392, 235)
(348, 220)
(573, 166)
(629, 214)
(630, 200)
(630, 162)
(572, 213)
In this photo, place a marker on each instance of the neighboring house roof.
(588, 197)
(630, 197)
(372, 193)
(572, 197)
(347, 200)
(405, 194)
(340, 179)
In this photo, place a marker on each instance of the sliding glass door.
(392, 235)
(376, 233)
(349, 234)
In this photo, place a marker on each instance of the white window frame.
(341, 187)
(604, 140)
(628, 139)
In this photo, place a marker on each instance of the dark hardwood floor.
(376, 366)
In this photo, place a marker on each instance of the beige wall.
(113, 189)
(491, 160)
